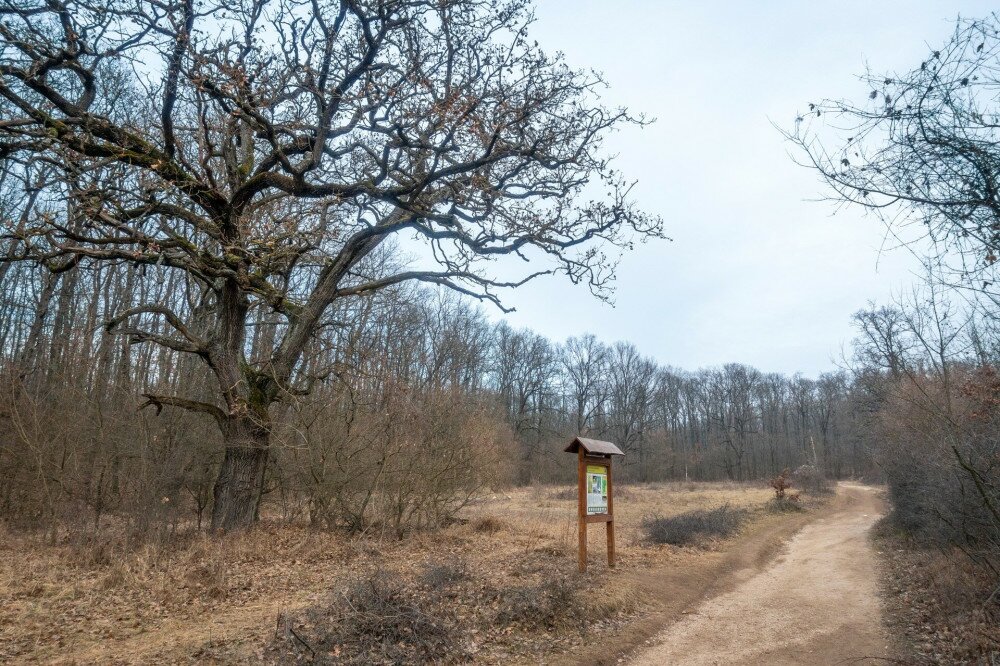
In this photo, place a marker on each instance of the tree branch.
(159, 401)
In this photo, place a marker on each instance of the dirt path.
(816, 604)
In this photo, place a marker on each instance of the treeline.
(410, 402)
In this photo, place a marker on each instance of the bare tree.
(584, 361)
(524, 373)
(265, 150)
(631, 388)
(923, 151)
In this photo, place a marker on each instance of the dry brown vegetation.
(939, 601)
(498, 586)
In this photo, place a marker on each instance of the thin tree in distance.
(266, 150)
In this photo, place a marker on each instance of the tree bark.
(238, 486)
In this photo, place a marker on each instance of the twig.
(295, 634)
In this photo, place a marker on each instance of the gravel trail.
(816, 604)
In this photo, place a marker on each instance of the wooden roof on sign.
(594, 446)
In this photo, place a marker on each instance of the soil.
(817, 603)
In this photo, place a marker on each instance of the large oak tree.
(267, 148)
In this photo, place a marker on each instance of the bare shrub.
(811, 479)
(788, 504)
(408, 459)
(551, 604)
(942, 475)
(387, 620)
(489, 525)
(80, 461)
(694, 527)
(377, 619)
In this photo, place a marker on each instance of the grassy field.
(499, 586)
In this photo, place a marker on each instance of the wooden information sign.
(595, 502)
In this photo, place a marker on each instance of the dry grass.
(221, 599)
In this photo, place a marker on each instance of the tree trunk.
(241, 479)
(29, 353)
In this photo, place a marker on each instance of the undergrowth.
(695, 527)
(445, 614)
(944, 607)
(784, 505)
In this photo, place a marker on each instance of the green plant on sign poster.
(597, 490)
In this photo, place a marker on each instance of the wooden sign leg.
(611, 523)
(611, 543)
(582, 511)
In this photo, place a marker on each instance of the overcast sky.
(759, 271)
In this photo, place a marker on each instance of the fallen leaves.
(936, 600)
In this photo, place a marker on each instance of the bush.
(781, 484)
(811, 479)
(383, 619)
(410, 463)
(788, 504)
(377, 619)
(489, 525)
(694, 527)
(552, 604)
(942, 475)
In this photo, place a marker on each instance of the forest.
(415, 390)
(420, 401)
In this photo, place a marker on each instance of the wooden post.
(581, 505)
(611, 518)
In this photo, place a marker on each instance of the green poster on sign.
(597, 490)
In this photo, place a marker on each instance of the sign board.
(597, 490)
